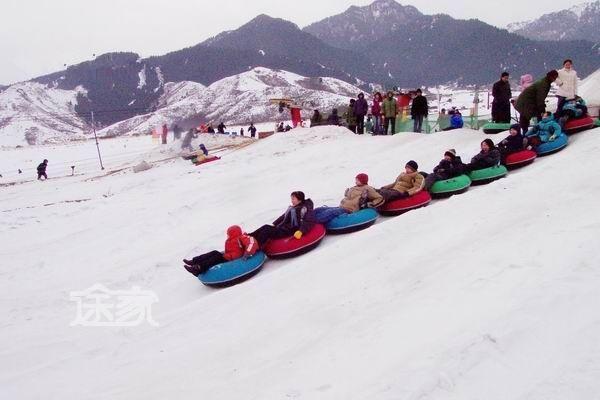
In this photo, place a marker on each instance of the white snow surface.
(491, 294)
(589, 89)
(41, 113)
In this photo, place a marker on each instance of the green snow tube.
(496, 127)
(447, 188)
(487, 175)
(597, 122)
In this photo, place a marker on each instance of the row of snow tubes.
(233, 272)
(573, 125)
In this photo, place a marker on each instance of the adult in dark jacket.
(316, 119)
(489, 156)
(419, 110)
(361, 108)
(333, 118)
(176, 132)
(297, 220)
(501, 103)
(186, 143)
(252, 130)
(532, 101)
(41, 170)
(513, 142)
(450, 167)
(221, 128)
(350, 116)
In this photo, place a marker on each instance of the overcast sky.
(40, 36)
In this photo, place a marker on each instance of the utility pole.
(97, 144)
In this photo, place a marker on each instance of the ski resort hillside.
(489, 294)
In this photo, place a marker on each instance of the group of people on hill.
(301, 215)
(531, 103)
(379, 118)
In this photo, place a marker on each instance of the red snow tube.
(520, 159)
(579, 124)
(206, 160)
(292, 247)
(401, 206)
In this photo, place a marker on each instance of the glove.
(298, 234)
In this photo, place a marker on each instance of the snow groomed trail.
(490, 294)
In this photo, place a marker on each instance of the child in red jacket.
(237, 245)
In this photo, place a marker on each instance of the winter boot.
(192, 269)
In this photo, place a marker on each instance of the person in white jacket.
(567, 85)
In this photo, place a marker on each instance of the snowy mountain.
(492, 294)
(238, 99)
(32, 113)
(357, 26)
(579, 22)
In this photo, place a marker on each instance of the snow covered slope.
(33, 113)
(492, 294)
(589, 89)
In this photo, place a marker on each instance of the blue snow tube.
(353, 222)
(233, 272)
(554, 146)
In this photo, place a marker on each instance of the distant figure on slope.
(547, 130)
(165, 132)
(567, 86)
(316, 119)
(176, 132)
(419, 111)
(443, 120)
(376, 111)
(334, 118)
(186, 143)
(350, 116)
(221, 128)
(449, 167)
(355, 198)
(41, 170)
(513, 143)
(210, 128)
(408, 183)
(456, 120)
(280, 127)
(390, 110)
(237, 245)
(532, 101)
(241, 131)
(252, 130)
(501, 103)
(489, 156)
(297, 220)
(361, 108)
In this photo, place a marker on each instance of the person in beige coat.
(567, 86)
(409, 182)
(355, 198)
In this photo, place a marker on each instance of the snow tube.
(353, 222)
(487, 175)
(520, 159)
(579, 124)
(447, 188)
(496, 127)
(401, 206)
(597, 122)
(233, 272)
(207, 159)
(556, 145)
(292, 247)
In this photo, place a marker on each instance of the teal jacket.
(547, 129)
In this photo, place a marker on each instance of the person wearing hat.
(449, 167)
(513, 142)
(298, 219)
(408, 183)
(501, 103)
(532, 101)
(419, 110)
(237, 245)
(545, 131)
(355, 198)
(361, 108)
(489, 156)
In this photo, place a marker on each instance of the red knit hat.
(363, 178)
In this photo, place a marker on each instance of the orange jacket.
(238, 243)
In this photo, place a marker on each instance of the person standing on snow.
(221, 128)
(176, 132)
(390, 110)
(501, 103)
(532, 101)
(419, 110)
(165, 131)
(376, 111)
(567, 86)
(41, 170)
(361, 108)
(350, 116)
(252, 130)
(187, 140)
